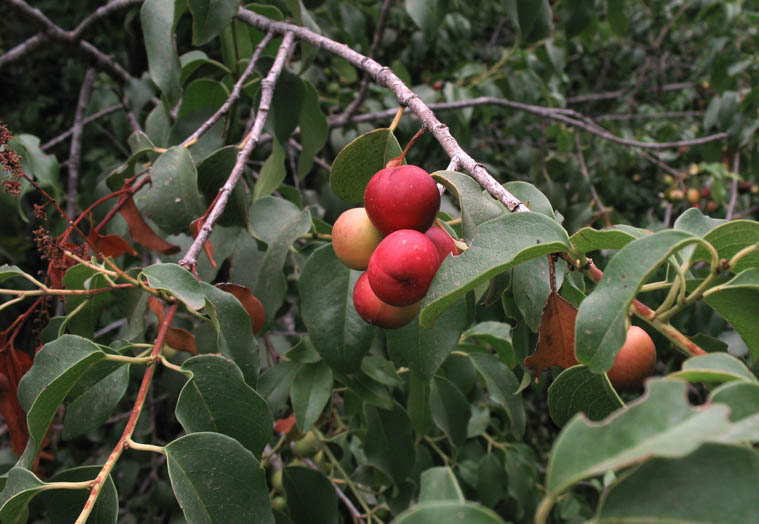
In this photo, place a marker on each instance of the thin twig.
(608, 95)
(88, 120)
(75, 151)
(234, 95)
(251, 140)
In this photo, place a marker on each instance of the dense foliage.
(178, 341)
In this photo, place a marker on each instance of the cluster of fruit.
(394, 240)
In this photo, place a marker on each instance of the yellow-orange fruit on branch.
(635, 362)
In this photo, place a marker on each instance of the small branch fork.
(267, 92)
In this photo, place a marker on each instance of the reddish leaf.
(13, 365)
(556, 345)
(251, 304)
(142, 233)
(60, 264)
(156, 307)
(285, 425)
(195, 226)
(182, 340)
(110, 245)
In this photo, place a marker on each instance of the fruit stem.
(396, 119)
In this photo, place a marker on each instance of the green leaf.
(530, 196)
(502, 242)
(418, 403)
(491, 480)
(427, 14)
(310, 392)
(381, 370)
(388, 442)
(140, 144)
(286, 103)
(83, 322)
(615, 237)
(310, 496)
(57, 368)
(65, 505)
(367, 389)
(525, 13)
(714, 368)
(192, 60)
(44, 168)
(448, 512)
(714, 472)
(531, 286)
(313, 130)
(439, 484)
(600, 326)
(742, 398)
(20, 488)
(580, 15)
(738, 302)
(502, 387)
(579, 390)
(617, 17)
(203, 93)
(226, 485)
(450, 410)
(157, 21)
(496, 334)
(173, 200)
(339, 334)
(7, 272)
(98, 401)
(694, 221)
(210, 17)
(728, 239)
(424, 350)
(217, 399)
(272, 173)
(660, 423)
(176, 280)
(476, 205)
(234, 335)
(359, 160)
(274, 385)
(213, 172)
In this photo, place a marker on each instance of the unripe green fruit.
(279, 503)
(307, 446)
(635, 362)
(276, 481)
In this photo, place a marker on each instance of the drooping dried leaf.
(156, 307)
(110, 245)
(195, 226)
(284, 425)
(142, 233)
(59, 263)
(252, 305)
(13, 365)
(182, 340)
(556, 343)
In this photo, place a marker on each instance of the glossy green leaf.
(234, 335)
(339, 334)
(313, 129)
(448, 512)
(579, 390)
(476, 205)
(157, 21)
(173, 199)
(176, 280)
(501, 243)
(497, 335)
(57, 367)
(712, 473)
(210, 17)
(714, 367)
(310, 392)
(450, 410)
(388, 442)
(738, 302)
(424, 350)
(65, 505)
(213, 172)
(98, 401)
(217, 399)
(438, 484)
(427, 14)
(502, 387)
(226, 485)
(310, 496)
(615, 237)
(359, 160)
(600, 329)
(661, 423)
(272, 173)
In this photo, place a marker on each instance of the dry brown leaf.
(251, 304)
(141, 231)
(284, 425)
(13, 365)
(182, 340)
(110, 245)
(556, 344)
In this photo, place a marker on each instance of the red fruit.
(443, 242)
(635, 362)
(379, 313)
(403, 197)
(354, 238)
(402, 267)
